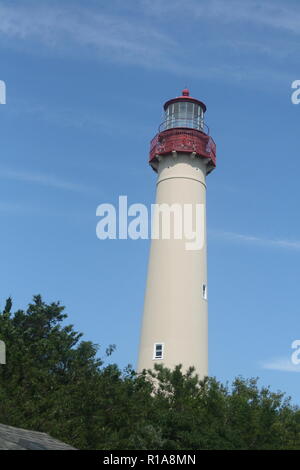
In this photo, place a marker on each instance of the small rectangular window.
(204, 291)
(158, 351)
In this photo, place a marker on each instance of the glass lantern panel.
(184, 114)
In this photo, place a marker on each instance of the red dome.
(185, 97)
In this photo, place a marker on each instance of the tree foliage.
(54, 382)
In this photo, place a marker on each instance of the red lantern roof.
(185, 97)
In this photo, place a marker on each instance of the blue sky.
(86, 81)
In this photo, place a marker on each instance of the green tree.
(47, 367)
(54, 382)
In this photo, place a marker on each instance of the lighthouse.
(175, 319)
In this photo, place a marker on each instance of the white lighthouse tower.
(175, 320)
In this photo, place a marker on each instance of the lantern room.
(184, 111)
(183, 131)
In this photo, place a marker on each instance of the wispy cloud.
(133, 37)
(10, 207)
(281, 364)
(272, 13)
(246, 32)
(78, 118)
(44, 180)
(107, 36)
(251, 239)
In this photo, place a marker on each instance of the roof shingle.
(22, 439)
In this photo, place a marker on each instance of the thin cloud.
(251, 239)
(77, 118)
(108, 36)
(8, 207)
(44, 180)
(135, 39)
(278, 23)
(274, 14)
(281, 364)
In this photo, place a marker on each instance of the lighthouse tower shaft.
(175, 319)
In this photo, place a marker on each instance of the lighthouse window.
(190, 110)
(184, 114)
(182, 108)
(176, 109)
(158, 351)
(204, 292)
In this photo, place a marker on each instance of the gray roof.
(22, 439)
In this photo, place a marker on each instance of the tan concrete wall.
(175, 312)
